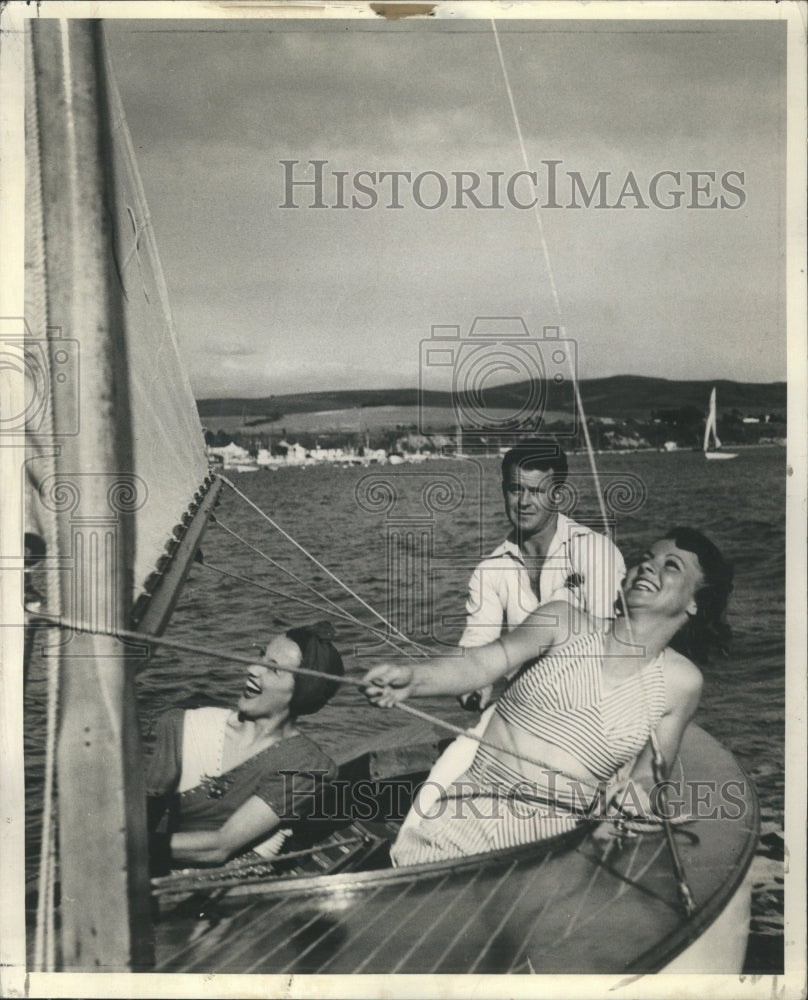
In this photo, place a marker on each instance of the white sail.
(711, 432)
(152, 405)
(710, 426)
(117, 484)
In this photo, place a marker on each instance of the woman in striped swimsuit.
(571, 718)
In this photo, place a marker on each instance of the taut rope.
(185, 647)
(658, 760)
(551, 279)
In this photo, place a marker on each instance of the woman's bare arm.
(683, 686)
(252, 821)
(388, 684)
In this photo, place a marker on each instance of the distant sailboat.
(710, 428)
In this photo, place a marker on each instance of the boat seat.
(367, 855)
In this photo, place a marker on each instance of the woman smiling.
(222, 781)
(588, 697)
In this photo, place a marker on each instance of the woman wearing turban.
(223, 781)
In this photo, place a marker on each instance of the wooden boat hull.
(727, 936)
(586, 902)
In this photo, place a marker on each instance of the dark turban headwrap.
(319, 653)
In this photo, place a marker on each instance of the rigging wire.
(343, 615)
(685, 894)
(316, 561)
(551, 278)
(340, 611)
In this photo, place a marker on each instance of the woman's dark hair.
(538, 454)
(318, 654)
(706, 630)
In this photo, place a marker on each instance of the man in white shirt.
(546, 557)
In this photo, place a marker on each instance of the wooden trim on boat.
(657, 958)
(155, 607)
(346, 881)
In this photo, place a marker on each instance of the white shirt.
(582, 567)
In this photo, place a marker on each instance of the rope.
(186, 647)
(551, 278)
(340, 612)
(353, 682)
(317, 562)
(557, 304)
(658, 760)
(685, 895)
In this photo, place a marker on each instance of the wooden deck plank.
(204, 950)
(336, 959)
(441, 924)
(473, 933)
(328, 922)
(632, 916)
(499, 933)
(396, 928)
(169, 956)
(559, 891)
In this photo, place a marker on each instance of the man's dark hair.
(538, 454)
(707, 629)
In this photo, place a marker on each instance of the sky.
(270, 299)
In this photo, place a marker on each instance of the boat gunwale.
(660, 955)
(306, 885)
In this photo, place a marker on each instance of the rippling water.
(405, 539)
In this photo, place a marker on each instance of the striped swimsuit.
(560, 699)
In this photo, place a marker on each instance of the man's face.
(528, 500)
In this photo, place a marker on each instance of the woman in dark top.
(222, 781)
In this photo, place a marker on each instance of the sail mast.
(103, 869)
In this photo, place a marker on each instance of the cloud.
(259, 292)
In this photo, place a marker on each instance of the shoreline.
(352, 460)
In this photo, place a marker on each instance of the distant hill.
(619, 396)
